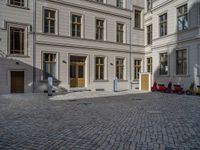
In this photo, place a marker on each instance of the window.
(99, 29)
(76, 26)
(163, 24)
(163, 64)
(120, 3)
(137, 69)
(49, 21)
(181, 62)
(137, 19)
(149, 34)
(17, 3)
(49, 65)
(149, 5)
(120, 68)
(120, 33)
(17, 40)
(182, 19)
(149, 64)
(100, 67)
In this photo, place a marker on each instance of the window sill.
(120, 80)
(164, 75)
(17, 55)
(21, 7)
(182, 75)
(101, 81)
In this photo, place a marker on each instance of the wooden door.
(17, 81)
(77, 71)
(144, 82)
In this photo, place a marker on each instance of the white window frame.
(10, 25)
(105, 67)
(82, 24)
(25, 4)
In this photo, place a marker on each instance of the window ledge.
(17, 55)
(101, 80)
(122, 80)
(21, 7)
(182, 75)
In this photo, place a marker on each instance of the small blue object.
(50, 86)
(115, 84)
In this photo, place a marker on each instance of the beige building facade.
(85, 44)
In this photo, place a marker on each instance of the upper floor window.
(163, 63)
(100, 68)
(120, 3)
(120, 68)
(76, 26)
(163, 24)
(120, 33)
(181, 62)
(149, 34)
(99, 29)
(182, 18)
(49, 21)
(49, 65)
(137, 69)
(17, 43)
(17, 3)
(137, 19)
(149, 5)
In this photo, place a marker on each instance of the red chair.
(162, 88)
(154, 87)
(178, 89)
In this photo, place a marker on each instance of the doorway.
(17, 81)
(77, 71)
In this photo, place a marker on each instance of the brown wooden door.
(17, 81)
(145, 82)
(77, 72)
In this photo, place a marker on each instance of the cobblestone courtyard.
(150, 121)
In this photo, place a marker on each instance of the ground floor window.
(137, 69)
(163, 63)
(149, 64)
(120, 68)
(181, 62)
(49, 65)
(100, 68)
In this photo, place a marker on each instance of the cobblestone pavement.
(150, 121)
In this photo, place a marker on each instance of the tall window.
(49, 21)
(181, 62)
(16, 40)
(120, 33)
(17, 3)
(120, 3)
(149, 64)
(100, 68)
(149, 5)
(163, 63)
(120, 68)
(49, 65)
(137, 69)
(76, 26)
(149, 34)
(182, 20)
(99, 29)
(137, 19)
(163, 24)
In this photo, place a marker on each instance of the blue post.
(50, 86)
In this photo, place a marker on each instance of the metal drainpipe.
(130, 52)
(34, 46)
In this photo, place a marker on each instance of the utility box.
(145, 82)
(115, 84)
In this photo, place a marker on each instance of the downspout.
(130, 50)
(34, 46)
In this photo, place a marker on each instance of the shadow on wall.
(184, 40)
(8, 64)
